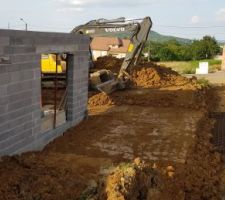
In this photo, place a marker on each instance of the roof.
(106, 43)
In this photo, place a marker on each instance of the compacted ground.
(158, 129)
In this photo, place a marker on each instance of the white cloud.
(78, 9)
(195, 19)
(220, 15)
(79, 5)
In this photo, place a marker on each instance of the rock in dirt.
(128, 181)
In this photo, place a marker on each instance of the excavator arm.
(138, 41)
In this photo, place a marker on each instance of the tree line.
(205, 48)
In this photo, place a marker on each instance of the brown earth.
(149, 75)
(162, 119)
(108, 62)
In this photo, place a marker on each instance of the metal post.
(24, 23)
(55, 94)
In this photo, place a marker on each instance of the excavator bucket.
(108, 86)
(104, 81)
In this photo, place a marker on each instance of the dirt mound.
(153, 76)
(100, 99)
(169, 97)
(108, 62)
(127, 181)
(181, 91)
(147, 75)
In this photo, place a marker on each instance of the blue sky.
(64, 15)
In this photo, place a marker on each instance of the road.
(217, 78)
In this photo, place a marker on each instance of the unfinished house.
(37, 106)
(104, 46)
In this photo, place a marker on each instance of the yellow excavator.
(48, 64)
(104, 80)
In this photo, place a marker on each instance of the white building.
(103, 46)
(223, 59)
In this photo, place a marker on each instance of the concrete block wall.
(20, 86)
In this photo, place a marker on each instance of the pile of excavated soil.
(170, 97)
(148, 75)
(170, 88)
(127, 181)
(108, 62)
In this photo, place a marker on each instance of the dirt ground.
(162, 120)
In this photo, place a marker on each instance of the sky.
(183, 18)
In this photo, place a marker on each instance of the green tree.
(205, 48)
(172, 50)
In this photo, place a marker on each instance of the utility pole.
(24, 23)
(8, 25)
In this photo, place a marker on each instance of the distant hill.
(156, 37)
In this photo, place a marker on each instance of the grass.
(203, 82)
(189, 67)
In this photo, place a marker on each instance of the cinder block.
(36, 130)
(21, 40)
(16, 147)
(19, 104)
(36, 107)
(3, 68)
(19, 96)
(3, 109)
(15, 131)
(19, 87)
(14, 139)
(83, 47)
(28, 57)
(20, 112)
(4, 41)
(3, 118)
(6, 68)
(37, 74)
(21, 75)
(4, 79)
(11, 123)
(19, 49)
(3, 91)
(3, 101)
